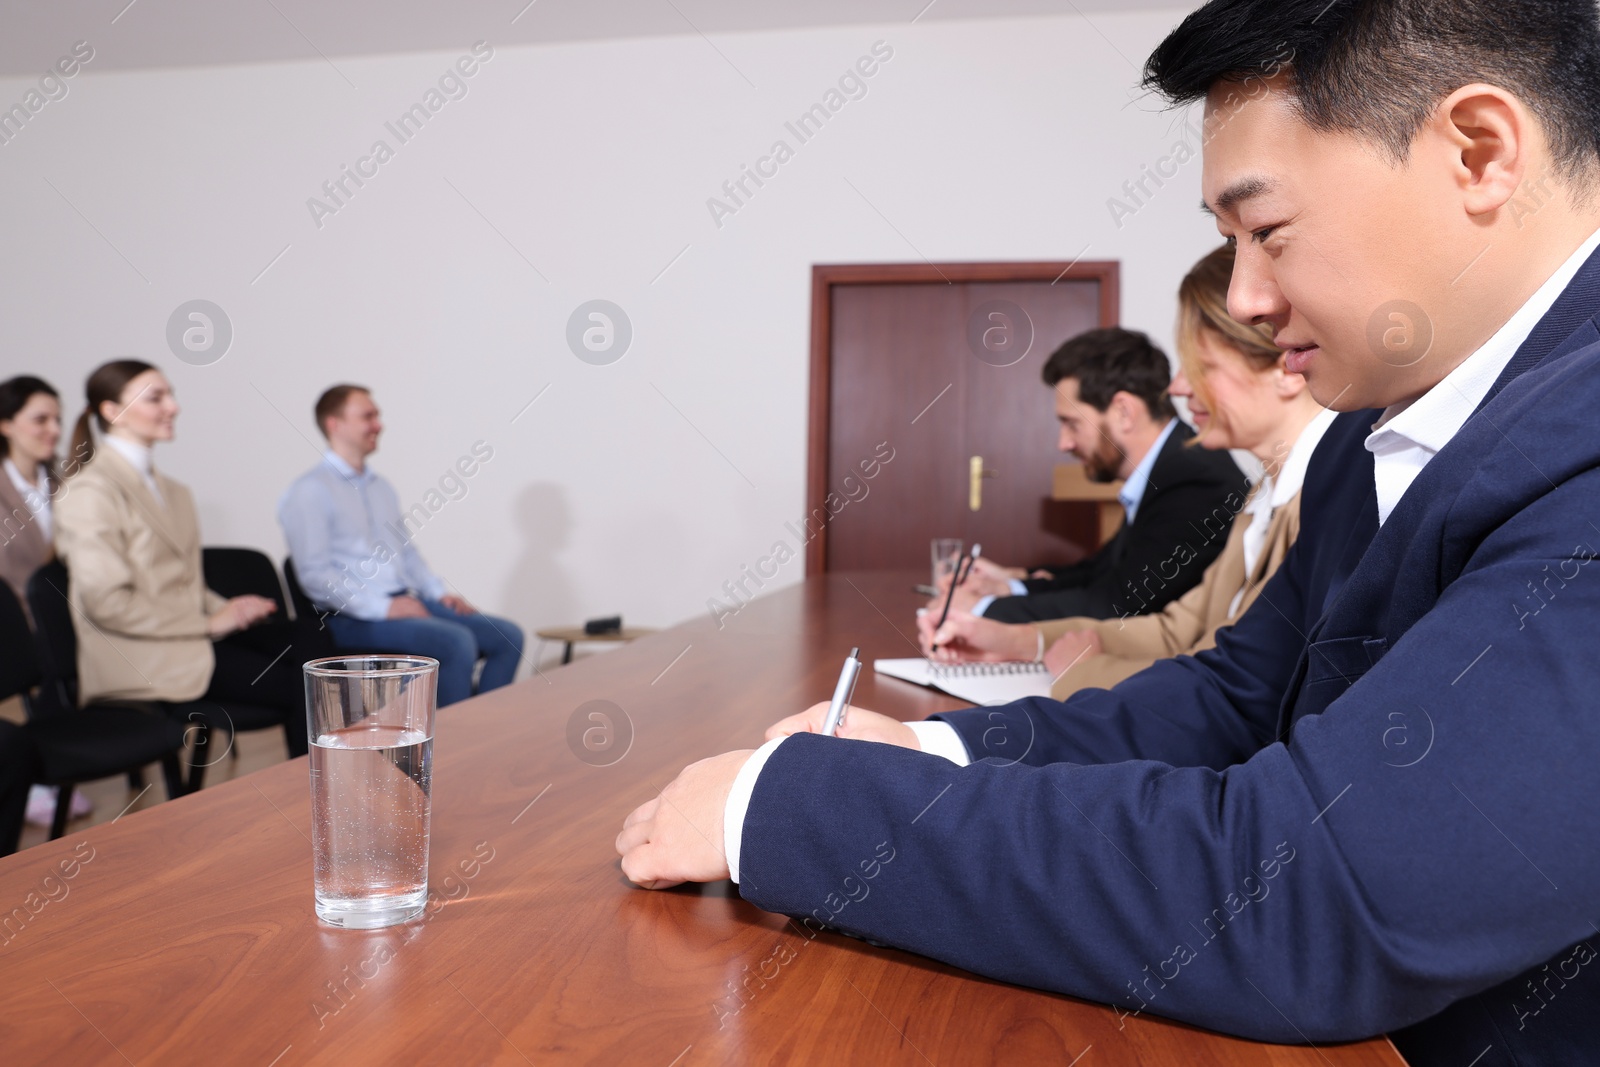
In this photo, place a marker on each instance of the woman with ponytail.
(148, 628)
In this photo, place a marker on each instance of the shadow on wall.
(538, 588)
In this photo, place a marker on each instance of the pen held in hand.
(842, 692)
(971, 560)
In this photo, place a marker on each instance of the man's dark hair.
(1379, 68)
(331, 403)
(1111, 361)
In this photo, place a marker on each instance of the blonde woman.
(1240, 397)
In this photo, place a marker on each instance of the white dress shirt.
(36, 495)
(139, 456)
(1402, 443)
(1274, 492)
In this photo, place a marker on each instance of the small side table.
(574, 635)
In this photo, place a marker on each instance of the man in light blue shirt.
(354, 557)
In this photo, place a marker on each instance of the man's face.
(1349, 258)
(1085, 433)
(357, 426)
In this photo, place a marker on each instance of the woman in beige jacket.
(148, 628)
(1240, 397)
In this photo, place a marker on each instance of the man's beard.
(1105, 463)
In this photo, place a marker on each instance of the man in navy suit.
(1373, 807)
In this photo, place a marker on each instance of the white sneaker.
(42, 805)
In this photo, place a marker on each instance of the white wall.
(992, 140)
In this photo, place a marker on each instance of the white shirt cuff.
(941, 739)
(983, 605)
(1018, 587)
(733, 813)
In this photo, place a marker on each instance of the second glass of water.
(370, 722)
(946, 551)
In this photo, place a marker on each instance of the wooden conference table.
(185, 933)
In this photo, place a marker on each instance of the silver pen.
(841, 694)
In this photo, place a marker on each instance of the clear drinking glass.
(370, 722)
(946, 551)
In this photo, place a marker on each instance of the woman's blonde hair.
(1203, 310)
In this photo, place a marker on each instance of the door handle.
(976, 473)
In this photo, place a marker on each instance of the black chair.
(74, 744)
(232, 572)
(305, 611)
(52, 614)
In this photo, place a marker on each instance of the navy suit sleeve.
(1338, 886)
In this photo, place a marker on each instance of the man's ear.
(1491, 137)
(1123, 411)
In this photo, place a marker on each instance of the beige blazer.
(1188, 624)
(139, 600)
(23, 547)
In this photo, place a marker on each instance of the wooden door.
(918, 369)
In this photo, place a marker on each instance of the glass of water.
(946, 551)
(370, 721)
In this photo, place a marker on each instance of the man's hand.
(966, 638)
(677, 837)
(407, 607)
(859, 725)
(986, 578)
(1072, 647)
(457, 604)
(240, 613)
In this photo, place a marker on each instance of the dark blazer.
(1372, 807)
(1178, 531)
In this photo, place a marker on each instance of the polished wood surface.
(185, 933)
(892, 364)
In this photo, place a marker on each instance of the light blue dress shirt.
(351, 546)
(1131, 493)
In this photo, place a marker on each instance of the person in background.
(1240, 396)
(355, 559)
(148, 628)
(1110, 389)
(17, 763)
(30, 430)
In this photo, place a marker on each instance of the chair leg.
(58, 824)
(136, 778)
(172, 771)
(197, 760)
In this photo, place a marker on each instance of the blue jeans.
(456, 641)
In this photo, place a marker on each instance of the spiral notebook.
(981, 683)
